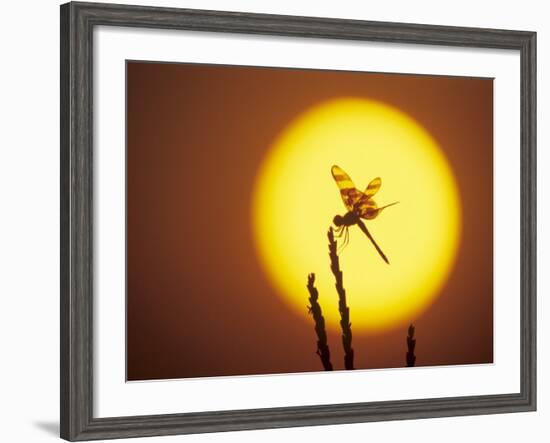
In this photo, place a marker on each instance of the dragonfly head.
(338, 220)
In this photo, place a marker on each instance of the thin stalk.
(342, 304)
(314, 309)
(411, 343)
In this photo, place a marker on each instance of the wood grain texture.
(77, 22)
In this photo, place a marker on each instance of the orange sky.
(198, 302)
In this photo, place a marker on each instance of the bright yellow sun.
(296, 198)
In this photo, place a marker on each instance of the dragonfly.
(360, 205)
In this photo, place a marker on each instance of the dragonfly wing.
(367, 208)
(349, 193)
(373, 187)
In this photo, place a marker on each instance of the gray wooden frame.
(77, 24)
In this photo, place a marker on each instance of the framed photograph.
(273, 221)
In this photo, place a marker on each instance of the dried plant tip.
(411, 344)
(314, 309)
(342, 303)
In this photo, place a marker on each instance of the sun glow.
(296, 198)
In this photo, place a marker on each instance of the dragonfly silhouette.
(360, 205)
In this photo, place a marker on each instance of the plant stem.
(342, 304)
(411, 343)
(314, 309)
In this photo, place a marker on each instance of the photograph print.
(297, 220)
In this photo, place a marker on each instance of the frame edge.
(76, 406)
(65, 138)
(76, 345)
(528, 56)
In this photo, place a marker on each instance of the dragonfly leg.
(339, 230)
(345, 242)
(340, 247)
